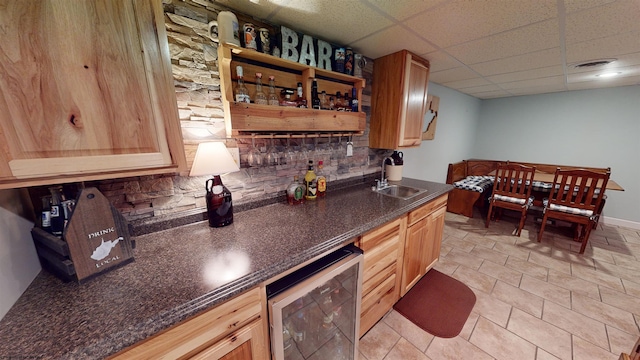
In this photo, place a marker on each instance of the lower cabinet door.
(414, 255)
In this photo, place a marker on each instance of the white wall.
(599, 128)
(454, 140)
(19, 263)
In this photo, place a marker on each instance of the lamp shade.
(212, 158)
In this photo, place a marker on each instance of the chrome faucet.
(382, 183)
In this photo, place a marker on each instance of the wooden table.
(548, 178)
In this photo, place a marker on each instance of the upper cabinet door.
(398, 101)
(416, 80)
(86, 89)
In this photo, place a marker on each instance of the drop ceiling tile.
(490, 94)
(551, 81)
(630, 71)
(616, 18)
(521, 41)
(449, 75)
(341, 22)
(468, 83)
(478, 89)
(527, 74)
(258, 9)
(460, 21)
(441, 61)
(537, 90)
(583, 85)
(394, 38)
(535, 60)
(606, 47)
(577, 5)
(401, 10)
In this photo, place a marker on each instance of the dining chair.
(512, 190)
(576, 197)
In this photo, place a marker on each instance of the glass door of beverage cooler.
(315, 312)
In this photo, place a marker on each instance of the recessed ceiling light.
(608, 74)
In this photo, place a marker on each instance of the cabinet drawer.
(375, 280)
(376, 236)
(377, 303)
(380, 257)
(425, 210)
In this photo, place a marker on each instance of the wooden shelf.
(242, 119)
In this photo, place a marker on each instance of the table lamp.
(213, 158)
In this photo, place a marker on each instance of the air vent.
(593, 63)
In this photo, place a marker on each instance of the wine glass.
(272, 156)
(289, 154)
(254, 158)
(304, 153)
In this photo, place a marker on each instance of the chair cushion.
(566, 209)
(513, 199)
(475, 183)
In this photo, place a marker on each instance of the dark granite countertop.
(182, 271)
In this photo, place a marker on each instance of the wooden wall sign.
(433, 103)
(97, 235)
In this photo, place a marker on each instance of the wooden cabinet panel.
(414, 248)
(216, 331)
(398, 100)
(87, 89)
(377, 303)
(382, 270)
(423, 241)
(434, 242)
(248, 343)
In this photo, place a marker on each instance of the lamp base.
(219, 204)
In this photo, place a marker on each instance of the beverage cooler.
(314, 313)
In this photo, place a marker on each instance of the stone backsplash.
(197, 85)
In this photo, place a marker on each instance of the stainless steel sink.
(400, 191)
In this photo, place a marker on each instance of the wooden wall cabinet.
(243, 118)
(383, 249)
(398, 101)
(423, 241)
(87, 92)
(234, 330)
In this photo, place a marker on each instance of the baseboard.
(621, 222)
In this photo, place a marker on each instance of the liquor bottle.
(315, 100)
(46, 213)
(302, 102)
(295, 192)
(286, 98)
(242, 94)
(354, 99)
(310, 182)
(57, 217)
(272, 98)
(321, 180)
(346, 102)
(332, 103)
(324, 101)
(338, 102)
(261, 97)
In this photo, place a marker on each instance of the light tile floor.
(533, 300)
